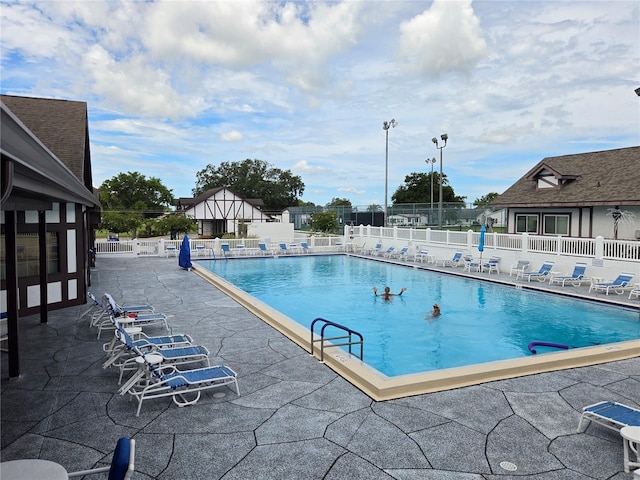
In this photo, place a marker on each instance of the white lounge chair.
(521, 266)
(612, 415)
(454, 262)
(540, 275)
(576, 278)
(618, 285)
(179, 385)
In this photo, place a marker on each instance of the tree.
(277, 188)
(324, 221)
(128, 198)
(374, 207)
(417, 189)
(485, 200)
(132, 191)
(342, 202)
(173, 224)
(118, 222)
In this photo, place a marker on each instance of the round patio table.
(32, 468)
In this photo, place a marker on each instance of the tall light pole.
(431, 161)
(385, 127)
(444, 138)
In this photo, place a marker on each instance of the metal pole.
(440, 197)
(431, 187)
(386, 176)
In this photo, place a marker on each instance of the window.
(526, 224)
(556, 225)
(29, 256)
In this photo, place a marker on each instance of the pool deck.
(295, 417)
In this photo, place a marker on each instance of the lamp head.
(385, 125)
(393, 123)
(435, 140)
(444, 137)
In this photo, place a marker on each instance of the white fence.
(607, 257)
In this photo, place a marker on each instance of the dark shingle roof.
(61, 125)
(610, 177)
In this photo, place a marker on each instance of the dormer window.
(548, 178)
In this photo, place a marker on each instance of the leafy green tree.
(326, 222)
(485, 200)
(417, 189)
(277, 188)
(335, 202)
(132, 191)
(174, 223)
(118, 222)
(374, 207)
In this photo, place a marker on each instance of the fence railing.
(354, 237)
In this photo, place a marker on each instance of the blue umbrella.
(184, 258)
(481, 244)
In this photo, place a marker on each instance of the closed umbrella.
(184, 258)
(481, 243)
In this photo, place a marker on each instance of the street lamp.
(431, 161)
(444, 138)
(385, 127)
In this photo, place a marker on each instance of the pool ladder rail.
(327, 341)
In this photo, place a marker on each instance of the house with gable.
(219, 211)
(49, 210)
(582, 195)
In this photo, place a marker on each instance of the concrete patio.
(295, 418)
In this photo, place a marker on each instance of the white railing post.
(525, 242)
(599, 253)
(216, 246)
(428, 236)
(136, 247)
(161, 246)
(470, 240)
(559, 246)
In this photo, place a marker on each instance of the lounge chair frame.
(179, 385)
(611, 415)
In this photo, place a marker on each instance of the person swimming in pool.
(436, 310)
(387, 293)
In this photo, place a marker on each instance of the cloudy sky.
(174, 86)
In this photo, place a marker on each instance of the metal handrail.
(322, 339)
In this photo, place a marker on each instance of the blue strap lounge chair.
(283, 248)
(611, 415)
(453, 262)
(402, 254)
(226, 250)
(180, 355)
(122, 464)
(263, 250)
(389, 252)
(576, 278)
(618, 285)
(377, 250)
(108, 306)
(304, 246)
(540, 275)
(117, 350)
(180, 385)
(492, 265)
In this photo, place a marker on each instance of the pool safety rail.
(546, 344)
(328, 342)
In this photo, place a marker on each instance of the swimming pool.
(481, 321)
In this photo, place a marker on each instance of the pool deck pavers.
(295, 418)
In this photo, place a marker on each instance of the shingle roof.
(61, 125)
(609, 177)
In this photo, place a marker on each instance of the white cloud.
(445, 38)
(232, 136)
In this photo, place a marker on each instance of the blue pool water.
(480, 321)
